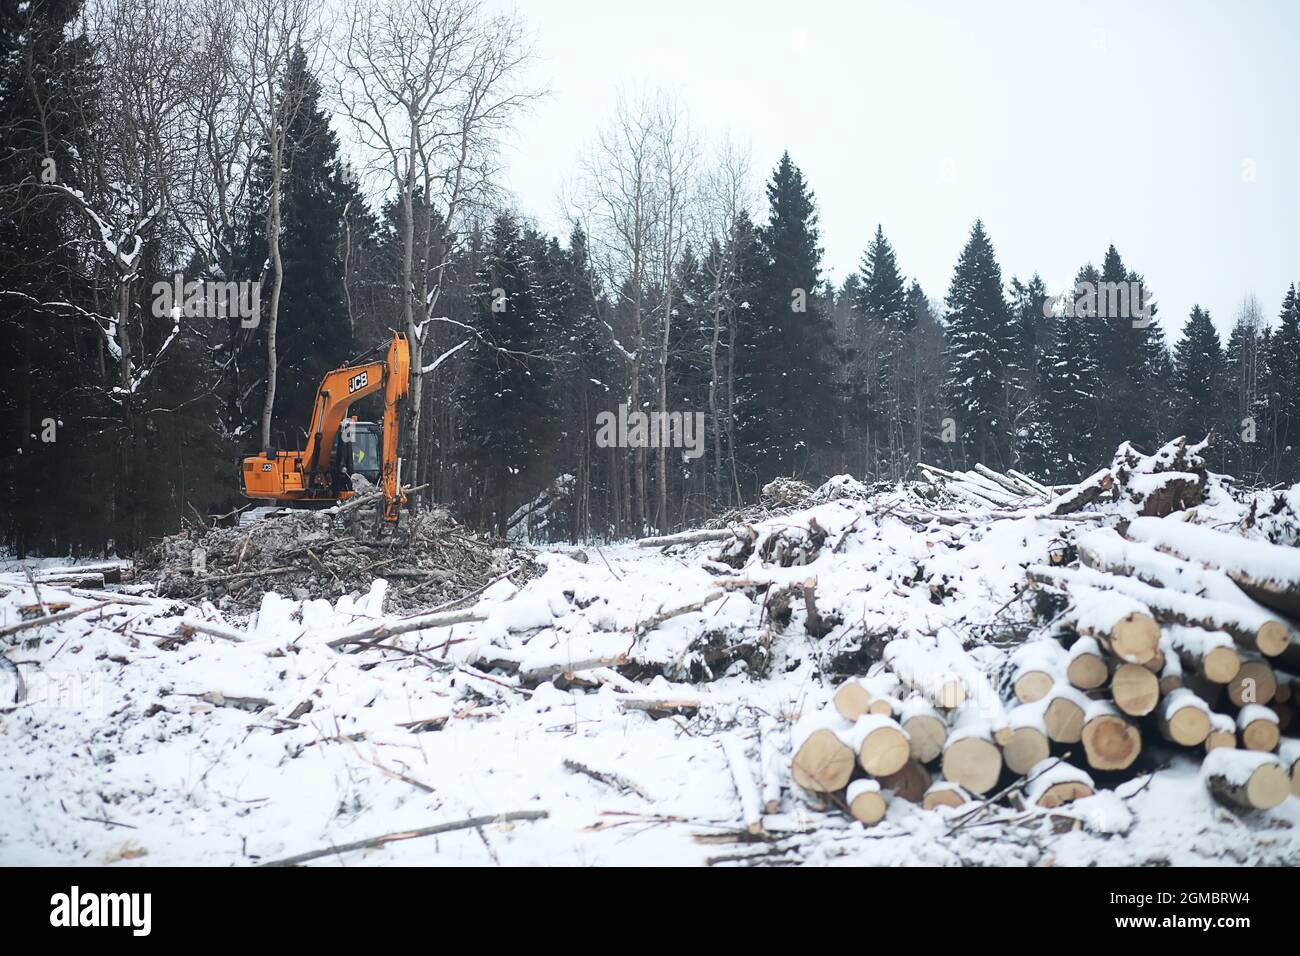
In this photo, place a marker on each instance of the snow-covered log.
(880, 743)
(822, 762)
(926, 730)
(866, 695)
(1134, 689)
(1087, 668)
(1037, 487)
(945, 793)
(1038, 665)
(973, 488)
(1019, 489)
(1288, 752)
(750, 806)
(1082, 494)
(1254, 683)
(970, 757)
(770, 758)
(1104, 550)
(1258, 727)
(1185, 719)
(688, 537)
(916, 668)
(1063, 717)
(1270, 573)
(865, 801)
(1252, 629)
(1051, 784)
(1110, 742)
(1122, 625)
(1212, 654)
(1171, 674)
(1170, 480)
(1245, 779)
(1028, 743)
(1223, 733)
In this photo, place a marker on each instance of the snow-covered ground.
(137, 744)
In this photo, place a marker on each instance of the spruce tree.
(1033, 327)
(51, 415)
(1060, 437)
(881, 304)
(504, 401)
(982, 362)
(784, 395)
(1198, 376)
(1283, 388)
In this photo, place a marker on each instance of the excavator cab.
(357, 452)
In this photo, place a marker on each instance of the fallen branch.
(373, 633)
(619, 783)
(650, 623)
(190, 628)
(471, 823)
(51, 619)
(687, 537)
(750, 807)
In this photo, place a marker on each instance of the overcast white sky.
(1065, 126)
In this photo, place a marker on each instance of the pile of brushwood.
(428, 559)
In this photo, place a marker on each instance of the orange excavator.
(338, 449)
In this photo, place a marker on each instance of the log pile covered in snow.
(1157, 633)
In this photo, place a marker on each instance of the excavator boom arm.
(395, 391)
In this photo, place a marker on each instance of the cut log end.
(944, 794)
(1261, 735)
(1220, 664)
(1272, 638)
(1266, 787)
(1220, 738)
(1135, 638)
(1254, 683)
(1111, 743)
(950, 695)
(1059, 793)
(1033, 686)
(865, 802)
(884, 751)
(1135, 690)
(851, 700)
(972, 762)
(1189, 727)
(1087, 672)
(1064, 720)
(1028, 746)
(926, 736)
(823, 763)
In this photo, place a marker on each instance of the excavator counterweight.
(314, 475)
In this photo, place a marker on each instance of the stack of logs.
(1173, 631)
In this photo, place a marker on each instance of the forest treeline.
(160, 145)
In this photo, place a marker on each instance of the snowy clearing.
(623, 692)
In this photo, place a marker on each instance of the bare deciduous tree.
(726, 194)
(427, 86)
(274, 30)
